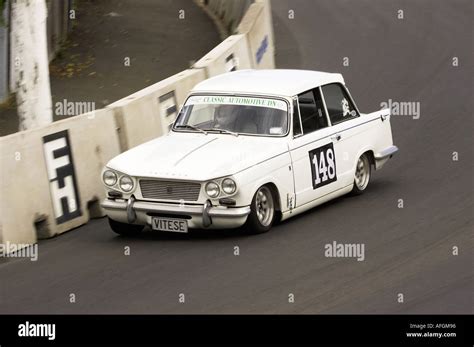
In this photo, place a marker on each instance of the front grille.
(169, 190)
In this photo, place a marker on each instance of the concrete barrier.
(149, 112)
(51, 176)
(252, 19)
(230, 55)
(257, 26)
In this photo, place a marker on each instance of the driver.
(225, 117)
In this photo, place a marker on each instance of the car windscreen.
(236, 114)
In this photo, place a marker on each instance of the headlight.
(126, 183)
(212, 189)
(229, 186)
(109, 177)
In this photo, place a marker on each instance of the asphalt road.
(407, 250)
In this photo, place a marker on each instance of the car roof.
(274, 82)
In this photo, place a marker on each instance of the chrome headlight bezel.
(113, 174)
(130, 182)
(216, 188)
(120, 182)
(228, 182)
(220, 186)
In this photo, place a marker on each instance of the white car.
(249, 147)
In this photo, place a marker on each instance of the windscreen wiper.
(188, 126)
(222, 131)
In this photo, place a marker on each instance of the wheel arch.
(276, 196)
(367, 150)
(371, 155)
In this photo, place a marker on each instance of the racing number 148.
(323, 165)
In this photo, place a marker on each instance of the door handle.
(336, 137)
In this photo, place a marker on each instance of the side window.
(338, 103)
(312, 112)
(296, 120)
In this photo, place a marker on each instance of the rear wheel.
(262, 211)
(124, 228)
(362, 174)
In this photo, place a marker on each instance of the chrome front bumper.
(134, 211)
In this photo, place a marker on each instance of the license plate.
(169, 224)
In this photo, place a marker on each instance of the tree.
(29, 59)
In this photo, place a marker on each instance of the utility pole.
(29, 61)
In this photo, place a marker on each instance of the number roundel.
(323, 165)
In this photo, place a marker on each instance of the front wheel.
(262, 211)
(124, 228)
(362, 175)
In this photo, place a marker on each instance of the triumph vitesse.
(251, 148)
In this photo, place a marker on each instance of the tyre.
(361, 175)
(124, 228)
(262, 211)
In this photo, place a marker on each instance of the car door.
(312, 149)
(347, 128)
